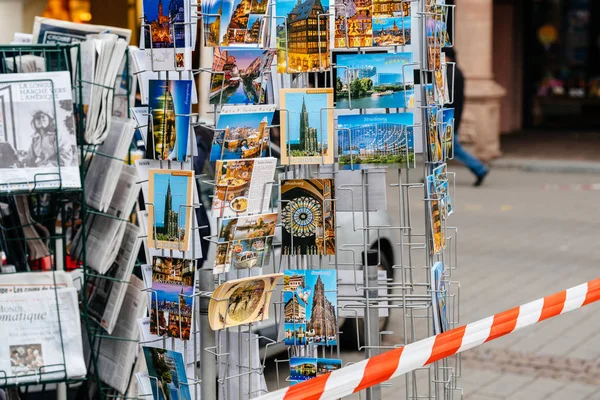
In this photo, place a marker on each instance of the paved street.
(520, 239)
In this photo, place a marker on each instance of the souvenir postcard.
(311, 308)
(170, 208)
(306, 126)
(326, 365)
(308, 217)
(242, 186)
(305, 368)
(394, 8)
(372, 23)
(438, 299)
(442, 185)
(167, 37)
(302, 36)
(238, 75)
(365, 139)
(394, 31)
(374, 80)
(166, 372)
(244, 242)
(353, 21)
(241, 301)
(437, 37)
(169, 123)
(442, 95)
(430, 94)
(434, 142)
(242, 132)
(435, 215)
(234, 22)
(38, 143)
(172, 297)
(447, 133)
(302, 369)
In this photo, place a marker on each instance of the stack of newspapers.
(40, 328)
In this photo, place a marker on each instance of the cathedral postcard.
(170, 208)
(167, 35)
(306, 126)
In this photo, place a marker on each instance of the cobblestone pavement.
(520, 240)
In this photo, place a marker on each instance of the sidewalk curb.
(553, 166)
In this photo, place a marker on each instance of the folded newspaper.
(40, 328)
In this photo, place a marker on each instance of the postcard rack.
(389, 261)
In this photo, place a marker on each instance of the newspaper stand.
(55, 209)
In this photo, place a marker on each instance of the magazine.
(172, 297)
(100, 184)
(305, 368)
(374, 80)
(169, 123)
(167, 34)
(101, 56)
(306, 126)
(308, 217)
(41, 334)
(366, 139)
(438, 299)
(239, 76)
(170, 208)
(166, 371)
(38, 143)
(310, 307)
(241, 301)
(105, 294)
(27, 282)
(53, 31)
(116, 357)
(140, 116)
(243, 186)
(244, 242)
(302, 36)
(242, 132)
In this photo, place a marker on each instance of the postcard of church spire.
(169, 107)
(170, 208)
(167, 34)
(306, 126)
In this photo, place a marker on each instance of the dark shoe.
(480, 179)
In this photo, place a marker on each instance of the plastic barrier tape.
(391, 364)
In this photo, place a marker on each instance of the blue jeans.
(470, 161)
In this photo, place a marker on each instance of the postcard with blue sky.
(242, 132)
(448, 132)
(169, 211)
(302, 369)
(374, 80)
(238, 75)
(375, 139)
(169, 103)
(166, 371)
(391, 31)
(306, 126)
(313, 302)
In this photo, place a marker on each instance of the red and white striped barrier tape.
(391, 364)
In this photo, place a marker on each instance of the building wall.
(507, 62)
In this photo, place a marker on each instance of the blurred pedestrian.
(477, 167)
